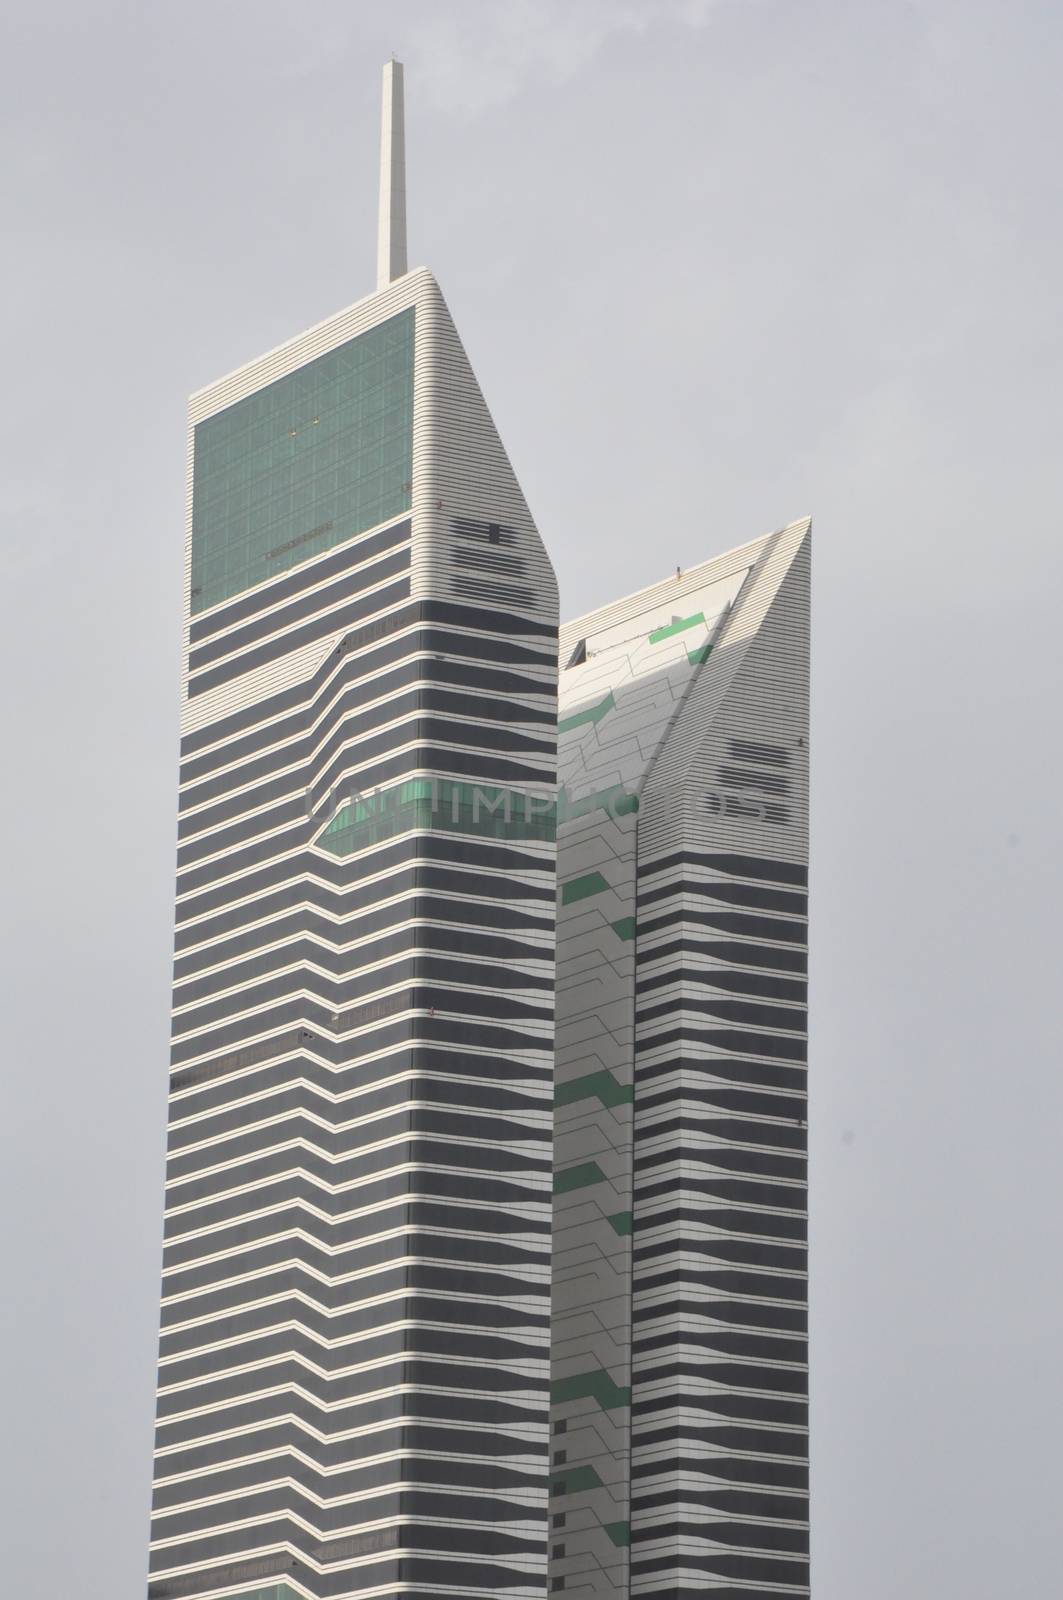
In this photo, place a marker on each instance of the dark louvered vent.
(487, 548)
(485, 532)
(765, 755)
(759, 776)
(750, 778)
(487, 564)
(505, 594)
(490, 561)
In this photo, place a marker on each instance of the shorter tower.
(679, 1377)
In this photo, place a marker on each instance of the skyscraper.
(359, 1391)
(354, 1348)
(679, 1359)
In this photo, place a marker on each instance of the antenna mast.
(391, 237)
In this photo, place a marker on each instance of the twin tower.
(485, 1257)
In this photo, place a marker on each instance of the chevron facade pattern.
(679, 1449)
(353, 1366)
(484, 1264)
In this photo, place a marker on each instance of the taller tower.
(353, 1358)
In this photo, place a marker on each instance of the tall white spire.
(391, 237)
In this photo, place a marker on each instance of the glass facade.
(303, 464)
(438, 804)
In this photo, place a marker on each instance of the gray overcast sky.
(717, 265)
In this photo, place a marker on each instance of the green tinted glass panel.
(304, 463)
(438, 805)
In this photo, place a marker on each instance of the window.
(304, 463)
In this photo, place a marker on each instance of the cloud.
(474, 58)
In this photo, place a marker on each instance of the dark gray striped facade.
(353, 1378)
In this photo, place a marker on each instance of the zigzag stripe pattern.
(353, 1373)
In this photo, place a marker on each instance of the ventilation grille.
(760, 776)
(483, 549)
